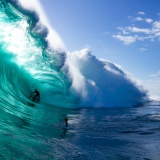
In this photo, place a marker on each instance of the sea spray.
(100, 83)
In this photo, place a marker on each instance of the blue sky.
(124, 32)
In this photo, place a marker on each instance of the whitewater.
(108, 111)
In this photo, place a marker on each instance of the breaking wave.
(31, 59)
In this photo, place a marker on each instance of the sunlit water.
(114, 134)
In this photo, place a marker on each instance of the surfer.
(66, 120)
(36, 96)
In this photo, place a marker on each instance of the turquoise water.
(28, 63)
(70, 86)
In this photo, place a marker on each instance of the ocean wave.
(64, 79)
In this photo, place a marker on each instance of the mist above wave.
(102, 83)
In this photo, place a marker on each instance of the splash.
(102, 83)
(31, 58)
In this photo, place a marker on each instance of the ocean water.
(113, 133)
(109, 114)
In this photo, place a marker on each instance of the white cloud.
(149, 20)
(143, 49)
(141, 13)
(125, 39)
(142, 30)
(156, 28)
(133, 33)
(142, 38)
(123, 30)
(157, 34)
(156, 25)
(138, 19)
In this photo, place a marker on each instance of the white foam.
(101, 83)
(53, 38)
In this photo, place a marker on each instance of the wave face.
(64, 79)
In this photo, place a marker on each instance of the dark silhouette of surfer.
(36, 96)
(65, 128)
(66, 120)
